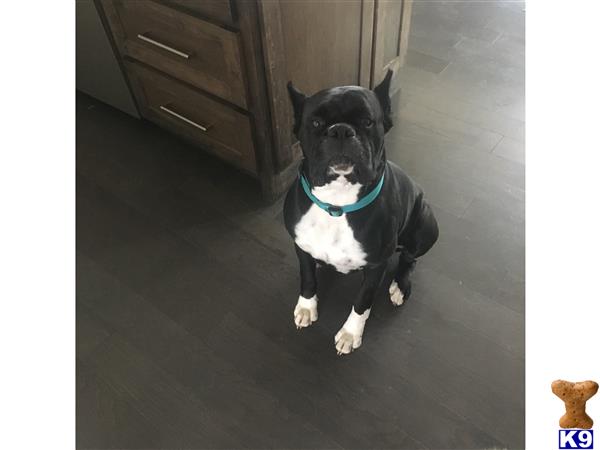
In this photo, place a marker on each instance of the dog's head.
(341, 131)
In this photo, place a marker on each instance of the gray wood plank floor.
(186, 281)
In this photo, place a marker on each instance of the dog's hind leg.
(417, 241)
(425, 232)
(400, 288)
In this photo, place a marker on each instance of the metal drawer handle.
(185, 119)
(163, 46)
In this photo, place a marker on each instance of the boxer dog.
(350, 208)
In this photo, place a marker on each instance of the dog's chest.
(331, 239)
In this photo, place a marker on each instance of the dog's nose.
(341, 131)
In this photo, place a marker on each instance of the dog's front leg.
(350, 335)
(305, 312)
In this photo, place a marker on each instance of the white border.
(37, 225)
(563, 198)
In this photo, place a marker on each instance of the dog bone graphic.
(575, 395)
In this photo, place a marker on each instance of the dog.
(350, 207)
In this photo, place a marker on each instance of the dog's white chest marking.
(330, 239)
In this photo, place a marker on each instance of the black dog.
(351, 208)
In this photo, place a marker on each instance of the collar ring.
(335, 211)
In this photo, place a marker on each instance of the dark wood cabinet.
(215, 72)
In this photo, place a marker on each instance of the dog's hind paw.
(305, 312)
(396, 295)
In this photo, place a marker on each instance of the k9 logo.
(576, 439)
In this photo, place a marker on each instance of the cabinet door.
(391, 23)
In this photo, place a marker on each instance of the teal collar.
(336, 211)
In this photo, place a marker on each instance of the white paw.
(305, 312)
(396, 295)
(345, 342)
(350, 335)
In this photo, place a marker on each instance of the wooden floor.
(186, 283)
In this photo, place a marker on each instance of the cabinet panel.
(193, 50)
(216, 127)
(322, 42)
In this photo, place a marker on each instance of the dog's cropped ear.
(382, 92)
(298, 99)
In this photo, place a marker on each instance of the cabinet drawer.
(218, 128)
(220, 10)
(186, 47)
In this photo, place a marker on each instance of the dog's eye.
(367, 123)
(316, 123)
